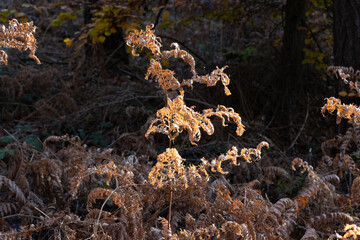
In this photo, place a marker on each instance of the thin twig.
(302, 127)
(42, 212)
(131, 74)
(101, 209)
(113, 52)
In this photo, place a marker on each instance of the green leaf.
(25, 128)
(6, 139)
(97, 139)
(5, 151)
(105, 125)
(34, 141)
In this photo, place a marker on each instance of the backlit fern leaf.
(352, 231)
(350, 112)
(140, 39)
(164, 77)
(103, 194)
(169, 170)
(346, 74)
(20, 36)
(176, 117)
(233, 154)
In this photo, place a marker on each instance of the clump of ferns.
(347, 144)
(107, 181)
(169, 172)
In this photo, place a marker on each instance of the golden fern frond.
(140, 39)
(305, 195)
(176, 117)
(225, 114)
(104, 194)
(164, 77)
(182, 54)
(233, 154)
(350, 111)
(20, 36)
(346, 73)
(245, 153)
(352, 231)
(169, 170)
(215, 76)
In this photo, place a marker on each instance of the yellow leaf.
(342, 94)
(101, 39)
(165, 63)
(166, 15)
(23, 19)
(68, 41)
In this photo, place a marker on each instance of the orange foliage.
(19, 36)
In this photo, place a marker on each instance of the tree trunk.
(346, 43)
(290, 79)
(347, 33)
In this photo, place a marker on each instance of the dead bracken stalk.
(176, 117)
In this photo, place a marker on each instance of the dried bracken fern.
(140, 39)
(165, 77)
(233, 154)
(176, 117)
(355, 191)
(331, 218)
(20, 36)
(350, 112)
(346, 74)
(170, 170)
(13, 188)
(352, 231)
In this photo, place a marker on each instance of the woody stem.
(170, 198)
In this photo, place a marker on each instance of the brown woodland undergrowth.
(72, 191)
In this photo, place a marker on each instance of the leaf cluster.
(20, 36)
